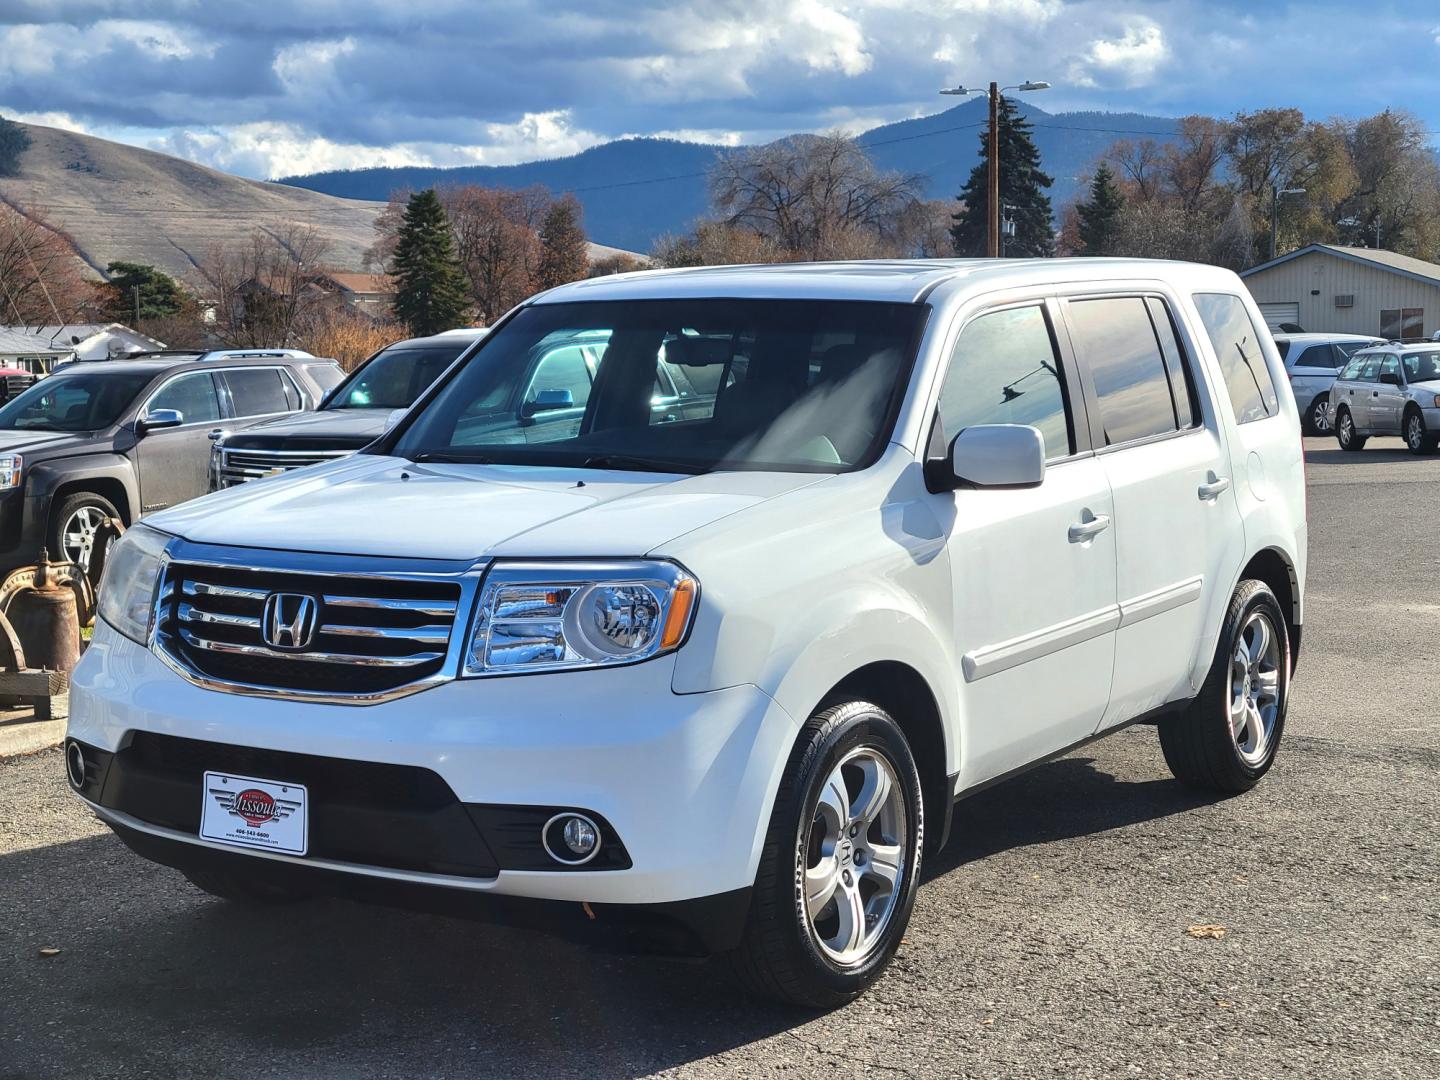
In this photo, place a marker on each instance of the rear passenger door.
(253, 394)
(1032, 570)
(1177, 527)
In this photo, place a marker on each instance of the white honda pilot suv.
(715, 672)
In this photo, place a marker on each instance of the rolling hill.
(635, 190)
(121, 202)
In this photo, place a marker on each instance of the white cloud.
(1128, 61)
(63, 121)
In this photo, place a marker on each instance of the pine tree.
(1100, 213)
(160, 295)
(429, 286)
(1022, 192)
(564, 253)
(14, 141)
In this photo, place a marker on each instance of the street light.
(992, 229)
(1275, 193)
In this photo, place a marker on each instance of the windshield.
(74, 401)
(395, 377)
(678, 385)
(1421, 367)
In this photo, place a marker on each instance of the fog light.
(571, 839)
(75, 764)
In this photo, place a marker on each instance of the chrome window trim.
(466, 574)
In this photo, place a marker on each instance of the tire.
(1345, 432)
(241, 890)
(83, 506)
(1417, 437)
(1317, 416)
(1204, 747)
(786, 954)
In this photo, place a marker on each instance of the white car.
(1311, 362)
(722, 674)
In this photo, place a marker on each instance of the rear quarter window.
(1236, 342)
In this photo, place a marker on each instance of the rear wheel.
(1345, 432)
(841, 862)
(1317, 417)
(1226, 739)
(1417, 437)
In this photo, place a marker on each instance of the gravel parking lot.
(1049, 940)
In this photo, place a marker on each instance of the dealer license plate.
(253, 813)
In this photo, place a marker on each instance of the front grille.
(15, 385)
(238, 466)
(371, 634)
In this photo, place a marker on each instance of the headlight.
(10, 467)
(127, 589)
(557, 616)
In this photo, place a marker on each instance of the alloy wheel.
(1320, 417)
(1255, 676)
(1415, 432)
(1347, 429)
(78, 535)
(856, 854)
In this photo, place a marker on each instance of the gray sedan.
(1389, 390)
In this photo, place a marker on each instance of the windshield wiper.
(635, 463)
(440, 457)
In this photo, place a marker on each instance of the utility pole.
(992, 145)
(136, 290)
(1275, 192)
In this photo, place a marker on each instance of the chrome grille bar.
(204, 588)
(439, 608)
(237, 649)
(190, 613)
(425, 635)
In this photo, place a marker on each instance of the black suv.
(127, 437)
(354, 414)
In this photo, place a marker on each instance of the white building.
(1324, 288)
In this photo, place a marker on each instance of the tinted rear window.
(1116, 339)
(1237, 346)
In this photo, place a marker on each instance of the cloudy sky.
(271, 87)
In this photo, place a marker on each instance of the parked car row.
(695, 600)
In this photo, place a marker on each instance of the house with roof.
(39, 348)
(1326, 288)
(369, 293)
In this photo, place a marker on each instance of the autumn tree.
(1022, 193)
(812, 197)
(42, 278)
(430, 290)
(1099, 214)
(715, 243)
(564, 251)
(261, 290)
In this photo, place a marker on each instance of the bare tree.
(714, 243)
(263, 289)
(43, 281)
(814, 197)
(1140, 164)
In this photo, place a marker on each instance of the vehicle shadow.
(153, 973)
(1369, 456)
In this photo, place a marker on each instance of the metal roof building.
(1326, 288)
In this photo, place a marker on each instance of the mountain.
(636, 190)
(121, 202)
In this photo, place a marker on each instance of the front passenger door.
(1032, 570)
(173, 463)
(1387, 399)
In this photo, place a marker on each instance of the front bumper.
(686, 781)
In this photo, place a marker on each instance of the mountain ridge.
(637, 189)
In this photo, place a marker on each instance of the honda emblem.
(288, 621)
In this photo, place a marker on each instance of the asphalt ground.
(1049, 940)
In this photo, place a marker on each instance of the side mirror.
(547, 401)
(159, 419)
(999, 455)
(1390, 378)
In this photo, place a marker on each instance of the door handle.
(1088, 530)
(1213, 488)
(1374, 393)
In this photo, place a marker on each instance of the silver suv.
(1389, 390)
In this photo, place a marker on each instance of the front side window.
(1236, 342)
(256, 391)
(192, 396)
(1116, 339)
(805, 385)
(1390, 366)
(1005, 370)
(1370, 369)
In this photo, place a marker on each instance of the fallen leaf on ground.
(49, 950)
(1206, 930)
(1224, 1004)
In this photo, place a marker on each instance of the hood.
(370, 505)
(1429, 386)
(18, 442)
(329, 428)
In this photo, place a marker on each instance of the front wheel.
(841, 862)
(1345, 432)
(1317, 417)
(1417, 438)
(1226, 739)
